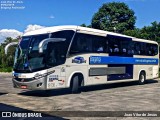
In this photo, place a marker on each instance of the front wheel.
(142, 78)
(75, 85)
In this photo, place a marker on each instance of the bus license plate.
(23, 87)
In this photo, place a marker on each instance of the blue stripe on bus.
(122, 60)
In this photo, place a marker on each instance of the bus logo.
(95, 59)
(78, 60)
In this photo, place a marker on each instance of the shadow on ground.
(11, 114)
(39, 93)
(3, 93)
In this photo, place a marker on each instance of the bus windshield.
(28, 58)
(27, 48)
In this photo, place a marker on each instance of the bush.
(6, 69)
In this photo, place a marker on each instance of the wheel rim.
(142, 78)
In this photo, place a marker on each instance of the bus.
(73, 57)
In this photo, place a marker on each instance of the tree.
(151, 32)
(6, 61)
(134, 33)
(114, 16)
(84, 25)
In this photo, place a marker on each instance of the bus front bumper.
(38, 84)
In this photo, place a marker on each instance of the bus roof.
(84, 29)
(50, 30)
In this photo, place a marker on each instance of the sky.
(69, 12)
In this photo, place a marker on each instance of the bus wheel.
(142, 78)
(75, 85)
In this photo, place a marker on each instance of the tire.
(142, 78)
(75, 85)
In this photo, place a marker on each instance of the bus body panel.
(152, 71)
(29, 80)
(77, 64)
(56, 79)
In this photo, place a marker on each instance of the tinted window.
(114, 45)
(137, 48)
(36, 40)
(67, 34)
(119, 46)
(148, 49)
(99, 44)
(56, 51)
(25, 42)
(82, 43)
(85, 43)
(152, 49)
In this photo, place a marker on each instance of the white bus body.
(84, 57)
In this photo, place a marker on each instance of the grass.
(6, 69)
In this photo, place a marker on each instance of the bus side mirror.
(8, 45)
(46, 41)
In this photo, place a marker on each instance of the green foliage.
(114, 16)
(6, 61)
(6, 69)
(135, 33)
(84, 25)
(151, 32)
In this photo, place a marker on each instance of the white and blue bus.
(74, 56)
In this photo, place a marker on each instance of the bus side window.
(84, 46)
(148, 49)
(112, 46)
(116, 48)
(99, 44)
(100, 48)
(154, 49)
(137, 48)
(81, 44)
(76, 46)
(151, 49)
(143, 48)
